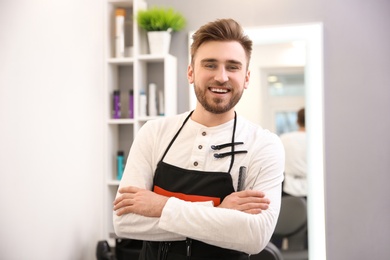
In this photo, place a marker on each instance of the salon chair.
(270, 252)
(291, 228)
(103, 251)
(125, 249)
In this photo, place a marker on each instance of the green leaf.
(160, 19)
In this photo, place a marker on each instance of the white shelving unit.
(124, 74)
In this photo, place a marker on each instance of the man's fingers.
(253, 211)
(254, 206)
(118, 199)
(128, 189)
(121, 204)
(126, 192)
(123, 197)
(251, 193)
(248, 200)
(122, 211)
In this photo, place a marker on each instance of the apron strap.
(174, 138)
(233, 138)
(234, 133)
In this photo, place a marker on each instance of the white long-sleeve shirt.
(202, 221)
(295, 181)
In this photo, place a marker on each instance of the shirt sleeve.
(139, 172)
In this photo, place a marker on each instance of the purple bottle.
(131, 104)
(117, 104)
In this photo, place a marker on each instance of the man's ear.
(190, 74)
(247, 77)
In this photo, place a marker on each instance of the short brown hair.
(221, 30)
(301, 117)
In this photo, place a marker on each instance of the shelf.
(142, 57)
(128, 121)
(147, 118)
(154, 58)
(121, 121)
(113, 183)
(121, 61)
(121, 3)
(123, 74)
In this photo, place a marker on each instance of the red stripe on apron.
(187, 197)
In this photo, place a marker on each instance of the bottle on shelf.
(161, 111)
(131, 104)
(120, 14)
(120, 164)
(117, 104)
(152, 100)
(142, 103)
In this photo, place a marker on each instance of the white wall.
(50, 134)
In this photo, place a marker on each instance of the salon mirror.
(294, 54)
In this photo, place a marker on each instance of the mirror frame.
(312, 34)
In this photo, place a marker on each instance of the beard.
(217, 105)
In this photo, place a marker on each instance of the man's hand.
(248, 201)
(139, 201)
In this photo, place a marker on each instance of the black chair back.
(270, 252)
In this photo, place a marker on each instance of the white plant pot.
(159, 42)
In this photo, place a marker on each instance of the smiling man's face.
(219, 73)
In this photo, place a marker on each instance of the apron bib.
(194, 186)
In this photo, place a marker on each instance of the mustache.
(219, 84)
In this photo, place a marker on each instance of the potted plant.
(159, 22)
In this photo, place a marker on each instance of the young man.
(180, 191)
(295, 182)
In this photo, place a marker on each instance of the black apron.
(192, 186)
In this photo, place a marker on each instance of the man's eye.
(210, 66)
(233, 67)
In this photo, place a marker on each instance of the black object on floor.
(103, 251)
